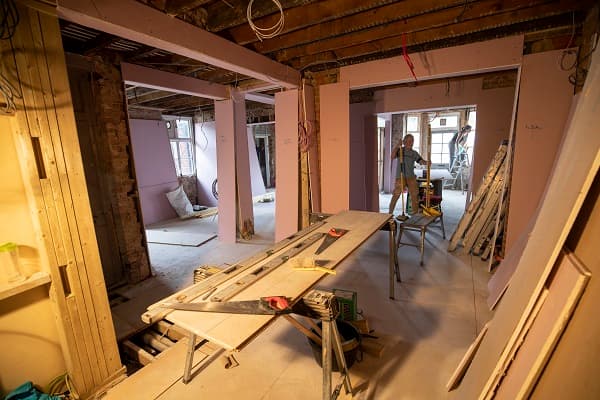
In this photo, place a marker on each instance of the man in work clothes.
(406, 167)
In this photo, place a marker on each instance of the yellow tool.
(428, 210)
(315, 268)
(310, 264)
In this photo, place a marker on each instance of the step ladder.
(459, 166)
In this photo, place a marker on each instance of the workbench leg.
(327, 360)
(423, 230)
(189, 359)
(394, 270)
(443, 230)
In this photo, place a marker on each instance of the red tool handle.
(334, 233)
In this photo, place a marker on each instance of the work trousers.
(413, 190)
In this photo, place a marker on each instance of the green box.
(347, 299)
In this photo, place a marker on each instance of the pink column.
(224, 118)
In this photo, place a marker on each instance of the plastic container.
(350, 338)
(10, 267)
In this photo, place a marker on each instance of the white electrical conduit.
(266, 33)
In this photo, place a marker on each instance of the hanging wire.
(9, 19)
(266, 33)
(9, 93)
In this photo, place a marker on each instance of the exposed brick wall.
(118, 162)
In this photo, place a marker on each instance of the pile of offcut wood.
(475, 230)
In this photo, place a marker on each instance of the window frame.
(174, 143)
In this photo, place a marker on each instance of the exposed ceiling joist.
(134, 21)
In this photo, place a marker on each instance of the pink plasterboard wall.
(494, 111)
(154, 168)
(256, 180)
(224, 117)
(545, 98)
(206, 161)
(286, 163)
(363, 157)
(497, 54)
(335, 147)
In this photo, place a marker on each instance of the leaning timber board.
(233, 331)
(573, 173)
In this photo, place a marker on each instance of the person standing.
(405, 173)
(458, 140)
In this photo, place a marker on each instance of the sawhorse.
(420, 223)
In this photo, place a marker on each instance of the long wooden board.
(563, 293)
(574, 171)
(234, 331)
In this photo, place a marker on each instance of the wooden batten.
(61, 198)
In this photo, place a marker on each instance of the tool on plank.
(310, 264)
(270, 305)
(331, 236)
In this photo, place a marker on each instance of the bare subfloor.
(438, 311)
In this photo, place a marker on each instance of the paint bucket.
(350, 338)
(10, 267)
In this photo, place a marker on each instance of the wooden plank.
(575, 168)
(464, 363)
(234, 331)
(134, 21)
(156, 313)
(474, 204)
(35, 120)
(11, 289)
(564, 291)
(178, 238)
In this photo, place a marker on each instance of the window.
(443, 127)
(182, 145)
(412, 127)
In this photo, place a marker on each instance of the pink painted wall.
(494, 111)
(335, 147)
(224, 118)
(154, 168)
(545, 97)
(363, 157)
(498, 54)
(206, 161)
(286, 163)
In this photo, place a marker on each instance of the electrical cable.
(407, 57)
(266, 33)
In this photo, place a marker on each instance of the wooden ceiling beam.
(135, 21)
(396, 12)
(222, 16)
(437, 34)
(302, 17)
(415, 23)
(179, 101)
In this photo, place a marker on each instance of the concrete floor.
(438, 311)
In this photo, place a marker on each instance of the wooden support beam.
(132, 20)
(156, 79)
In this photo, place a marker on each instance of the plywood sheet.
(564, 292)
(178, 238)
(574, 171)
(233, 331)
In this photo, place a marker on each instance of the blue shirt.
(410, 158)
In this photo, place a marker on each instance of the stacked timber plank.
(475, 231)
